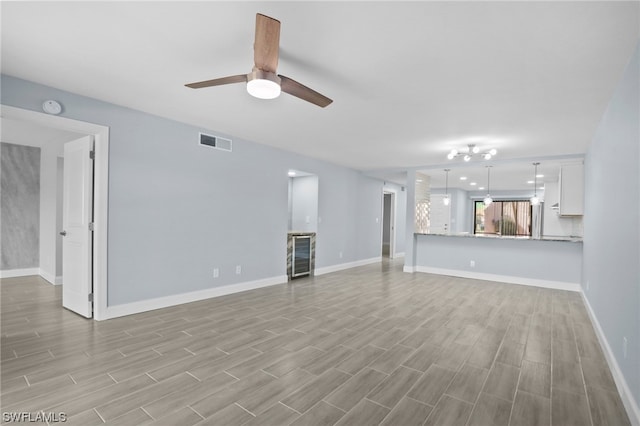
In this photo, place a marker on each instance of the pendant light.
(446, 200)
(535, 200)
(488, 200)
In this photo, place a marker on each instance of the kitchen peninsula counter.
(569, 239)
(554, 262)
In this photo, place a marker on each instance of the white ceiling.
(410, 80)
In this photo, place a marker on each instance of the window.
(509, 217)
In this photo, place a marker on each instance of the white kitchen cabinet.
(571, 190)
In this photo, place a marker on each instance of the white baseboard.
(51, 278)
(557, 285)
(343, 266)
(12, 273)
(630, 404)
(194, 296)
(397, 255)
(409, 269)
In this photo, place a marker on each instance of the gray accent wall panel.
(20, 206)
(612, 224)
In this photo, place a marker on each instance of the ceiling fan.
(263, 82)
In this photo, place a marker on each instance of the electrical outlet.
(216, 272)
(624, 347)
(238, 269)
(472, 263)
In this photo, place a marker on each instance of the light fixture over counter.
(535, 200)
(472, 151)
(488, 200)
(446, 199)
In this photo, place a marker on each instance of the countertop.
(569, 239)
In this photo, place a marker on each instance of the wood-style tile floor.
(370, 345)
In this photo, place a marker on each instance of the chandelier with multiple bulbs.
(471, 151)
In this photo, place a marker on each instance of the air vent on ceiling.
(215, 142)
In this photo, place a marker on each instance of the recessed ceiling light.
(463, 178)
(473, 184)
(481, 188)
(539, 176)
(291, 173)
(530, 181)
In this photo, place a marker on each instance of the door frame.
(100, 191)
(392, 221)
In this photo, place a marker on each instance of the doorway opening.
(98, 260)
(388, 224)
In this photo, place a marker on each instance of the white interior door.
(77, 214)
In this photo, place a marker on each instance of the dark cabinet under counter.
(301, 248)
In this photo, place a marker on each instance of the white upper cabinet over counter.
(571, 184)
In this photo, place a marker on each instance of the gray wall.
(461, 207)
(611, 224)
(368, 197)
(177, 210)
(20, 206)
(304, 203)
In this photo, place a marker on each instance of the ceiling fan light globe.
(263, 88)
(487, 156)
(451, 155)
(467, 157)
(487, 201)
(493, 152)
(263, 84)
(475, 149)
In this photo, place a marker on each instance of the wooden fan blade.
(242, 78)
(298, 90)
(267, 43)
